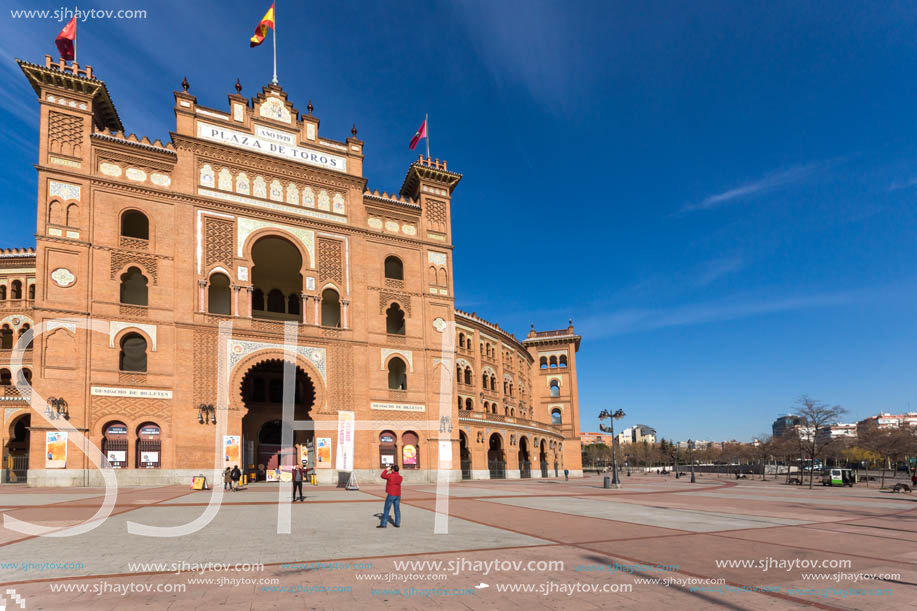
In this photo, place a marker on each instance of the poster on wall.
(388, 459)
(149, 460)
(323, 453)
(409, 455)
(117, 458)
(232, 445)
(55, 450)
(345, 441)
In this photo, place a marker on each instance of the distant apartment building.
(889, 421)
(591, 438)
(786, 424)
(694, 444)
(837, 431)
(637, 434)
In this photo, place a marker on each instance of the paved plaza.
(656, 543)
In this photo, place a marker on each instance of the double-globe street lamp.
(605, 415)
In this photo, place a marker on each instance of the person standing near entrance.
(236, 475)
(566, 475)
(227, 479)
(392, 495)
(297, 482)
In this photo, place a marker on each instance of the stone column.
(236, 288)
(318, 316)
(305, 308)
(202, 284)
(344, 311)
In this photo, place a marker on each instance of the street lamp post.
(676, 461)
(691, 450)
(605, 415)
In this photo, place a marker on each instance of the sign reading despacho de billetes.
(397, 407)
(134, 393)
(242, 140)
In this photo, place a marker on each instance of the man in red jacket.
(393, 495)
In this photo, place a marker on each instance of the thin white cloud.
(636, 320)
(772, 181)
(904, 184)
(716, 269)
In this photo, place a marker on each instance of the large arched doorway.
(262, 422)
(276, 280)
(464, 455)
(496, 458)
(525, 464)
(17, 450)
(543, 458)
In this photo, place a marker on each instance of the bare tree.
(761, 451)
(818, 416)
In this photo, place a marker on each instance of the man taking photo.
(393, 495)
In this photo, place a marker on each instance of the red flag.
(66, 39)
(421, 134)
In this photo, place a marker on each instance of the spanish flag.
(261, 29)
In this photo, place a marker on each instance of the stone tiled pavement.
(652, 520)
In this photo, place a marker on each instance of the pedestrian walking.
(298, 475)
(914, 478)
(566, 475)
(236, 475)
(227, 479)
(392, 495)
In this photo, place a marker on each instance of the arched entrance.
(496, 458)
(543, 458)
(17, 450)
(464, 455)
(262, 422)
(525, 465)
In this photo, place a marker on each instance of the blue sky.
(721, 195)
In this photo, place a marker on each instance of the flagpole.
(76, 11)
(275, 43)
(426, 120)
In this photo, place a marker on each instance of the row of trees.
(874, 447)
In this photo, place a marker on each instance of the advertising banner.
(55, 450)
(323, 453)
(232, 446)
(409, 455)
(345, 441)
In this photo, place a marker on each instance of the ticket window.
(388, 450)
(410, 451)
(115, 446)
(149, 446)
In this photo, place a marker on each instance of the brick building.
(196, 259)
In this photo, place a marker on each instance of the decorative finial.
(184, 84)
(238, 87)
(353, 130)
(533, 326)
(310, 107)
(570, 321)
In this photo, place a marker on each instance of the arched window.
(331, 308)
(555, 416)
(394, 268)
(505, 387)
(505, 410)
(25, 376)
(482, 348)
(293, 301)
(72, 215)
(543, 363)
(486, 406)
(394, 320)
(469, 404)
(397, 374)
(134, 287)
(133, 353)
(6, 378)
(149, 446)
(16, 290)
(563, 360)
(510, 389)
(555, 388)
(388, 449)
(460, 403)
(31, 291)
(458, 373)
(468, 375)
(3, 292)
(6, 338)
(218, 301)
(258, 300)
(22, 331)
(115, 445)
(410, 450)
(493, 382)
(461, 340)
(135, 224)
(276, 302)
(493, 408)
(484, 378)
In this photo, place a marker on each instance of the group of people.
(231, 478)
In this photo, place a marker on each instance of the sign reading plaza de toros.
(262, 145)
